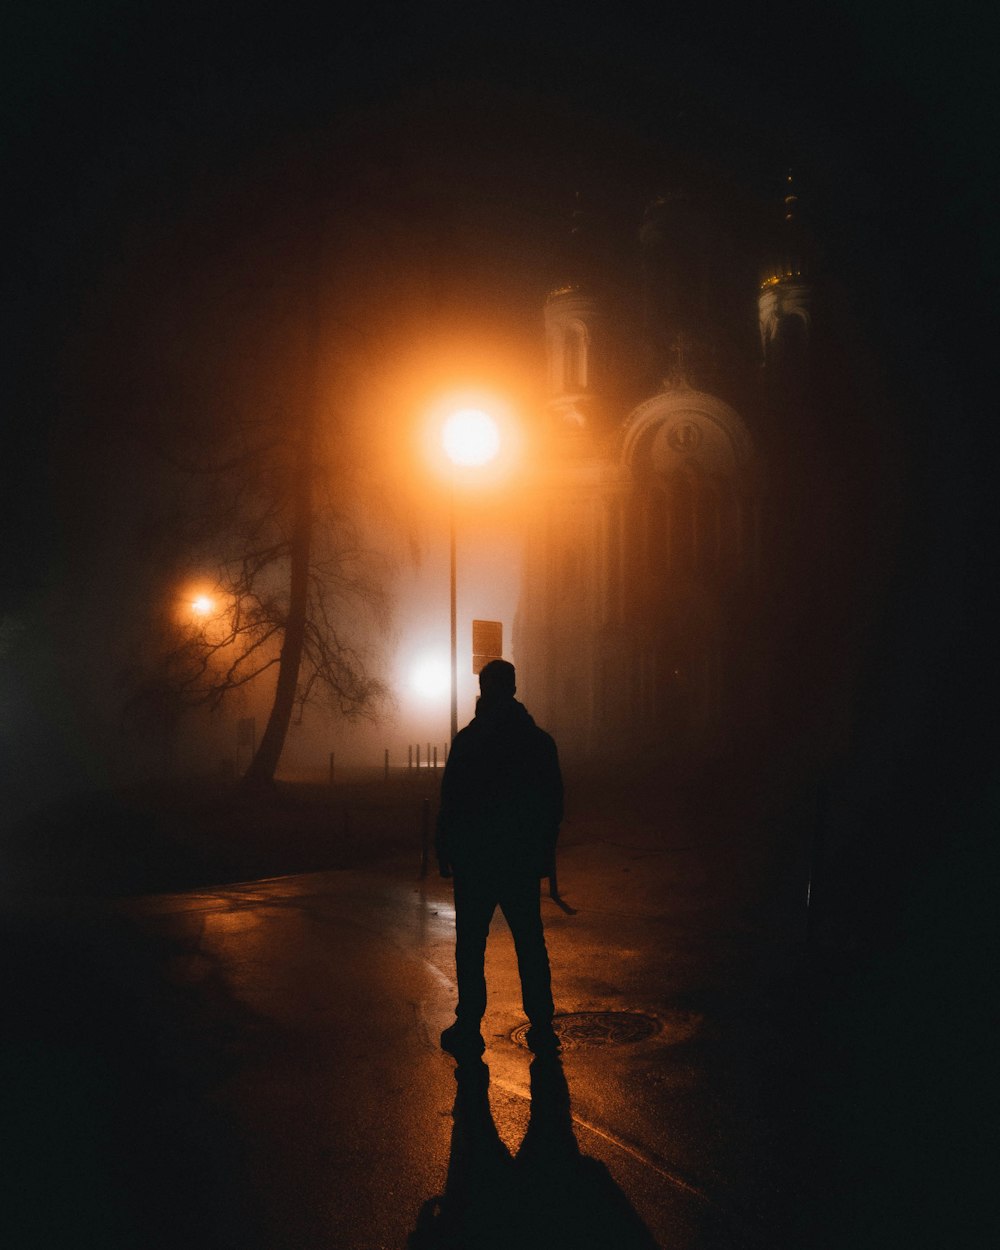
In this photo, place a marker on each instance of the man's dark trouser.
(476, 899)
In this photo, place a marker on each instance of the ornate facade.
(642, 580)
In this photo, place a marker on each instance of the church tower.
(784, 306)
(557, 631)
(574, 333)
(641, 556)
(678, 252)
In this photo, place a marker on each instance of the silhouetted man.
(501, 806)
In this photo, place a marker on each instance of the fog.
(201, 254)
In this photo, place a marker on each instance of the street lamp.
(471, 439)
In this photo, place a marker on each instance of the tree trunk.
(260, 774)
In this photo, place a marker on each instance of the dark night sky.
(143, 139)
(127, 122)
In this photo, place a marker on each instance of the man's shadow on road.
(548, 1194)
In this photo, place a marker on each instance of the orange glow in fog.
(471, 437)
(201, 610)
(430, 677)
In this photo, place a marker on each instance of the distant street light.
(471, 439)
(206, 613)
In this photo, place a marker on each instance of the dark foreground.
(256, 1065)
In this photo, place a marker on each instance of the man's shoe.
(462, 1042)
(542, 1039)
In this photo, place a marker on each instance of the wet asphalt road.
(257, 1065)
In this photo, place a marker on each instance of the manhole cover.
(597, 1028)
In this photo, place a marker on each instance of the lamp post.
(471, 438)
(453, 569)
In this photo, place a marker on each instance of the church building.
(645, 568)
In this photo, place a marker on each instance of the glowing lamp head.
(471, 437)
(431, 677)
(202, 606)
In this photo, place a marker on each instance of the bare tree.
(294, 584)
(270, 500)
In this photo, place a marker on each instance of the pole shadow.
(548, 1194)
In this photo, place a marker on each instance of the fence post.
(435, 758)
(425, 835)
(409, 758)
(418, 757)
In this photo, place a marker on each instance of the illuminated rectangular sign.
(487, 643)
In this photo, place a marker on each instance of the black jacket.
(501, 795)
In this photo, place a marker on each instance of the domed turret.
(573, 329)
(784, 302)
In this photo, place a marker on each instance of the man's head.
(496, 680)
